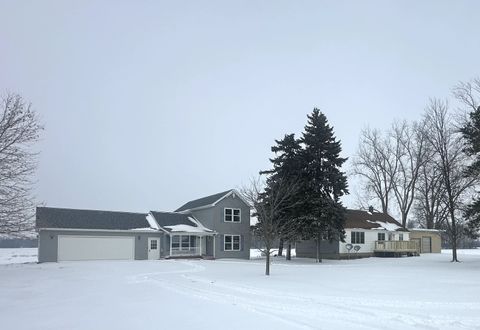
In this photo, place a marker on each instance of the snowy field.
(426, 292)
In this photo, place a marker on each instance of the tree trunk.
(404, 220)
(454, 236)
(429, 221)
(289, 251)
(318, 250)
(280, 247)
(267, 263)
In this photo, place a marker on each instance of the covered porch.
(194, 245)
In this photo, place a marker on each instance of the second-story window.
(381, 236)
(232, 215)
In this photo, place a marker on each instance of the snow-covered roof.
(371, 220)
(386, 225)
(178, 222)
(426, 230)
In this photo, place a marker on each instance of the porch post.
(170, 245)
(214, 237)
(200, 240)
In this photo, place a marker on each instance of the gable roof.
(375, 220)
(207, 201)
(178, 222)
(50, 217)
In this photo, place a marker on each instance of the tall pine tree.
(287, 167)
(325, 183)
(471, 133)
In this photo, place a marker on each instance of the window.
(232, 215)
(400, 237)
(153, 244)
(358, 237)
(176, 242)
(381, 236)
(231, 243)
(183, 242)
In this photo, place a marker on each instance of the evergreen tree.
(324, 182)
(286, 168)
(471, 133)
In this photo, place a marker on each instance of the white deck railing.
(192, 251)
(396, 246)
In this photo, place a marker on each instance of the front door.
(153, 248)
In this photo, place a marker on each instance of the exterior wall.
(335, 249)
(213, 218)
(48, 242)
(370, 237)
(434, 235)
(308, 249)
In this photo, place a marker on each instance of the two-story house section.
(216, 226)
(227, 214)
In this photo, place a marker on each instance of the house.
(216, 226)
(371, 232)
(428, 240)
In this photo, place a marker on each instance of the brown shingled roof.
(367, 220)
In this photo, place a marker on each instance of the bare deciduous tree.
(410, 154)
(269, 207)
(430, 208)
(373, 162)
(468, 93)
(19, 130)
(446, 141)
(390, 164)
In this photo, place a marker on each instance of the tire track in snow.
(307, 311)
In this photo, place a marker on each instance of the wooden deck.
(396, 248)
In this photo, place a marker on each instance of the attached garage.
(73, 247)
(71, 235)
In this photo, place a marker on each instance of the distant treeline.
(19, 243)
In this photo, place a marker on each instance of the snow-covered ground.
(426, 292)
(15, 256)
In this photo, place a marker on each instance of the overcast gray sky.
(148, 104)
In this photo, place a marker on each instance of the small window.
(232, 215)
(400, 237)
(358, 237)
(381, 236)
(153, 244)
(232, 243)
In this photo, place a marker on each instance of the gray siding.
(213, 218)
(308, 249)
(48, 242)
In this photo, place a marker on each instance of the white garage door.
(72, 247)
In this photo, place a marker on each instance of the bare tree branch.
(19, 130)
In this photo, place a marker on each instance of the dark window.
(232, 215)
(228, 243)
(400, 237)
(236, 243)
(381, 236)
(228, 215)
(176, 242)
(153, 244)
(185, 242)
(358, 237)
(231, 243)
